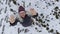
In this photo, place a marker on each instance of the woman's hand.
(33, 12)
(11, 19)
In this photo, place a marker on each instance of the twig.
(3, 29)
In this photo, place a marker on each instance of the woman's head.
(21, 11)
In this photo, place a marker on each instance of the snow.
(44, 7)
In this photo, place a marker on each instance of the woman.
(27, 21)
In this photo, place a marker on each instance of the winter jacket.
(27, 21)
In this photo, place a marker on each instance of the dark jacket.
(27, 21)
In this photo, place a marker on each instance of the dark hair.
(21, 9)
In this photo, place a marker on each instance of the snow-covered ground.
(49, 16)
